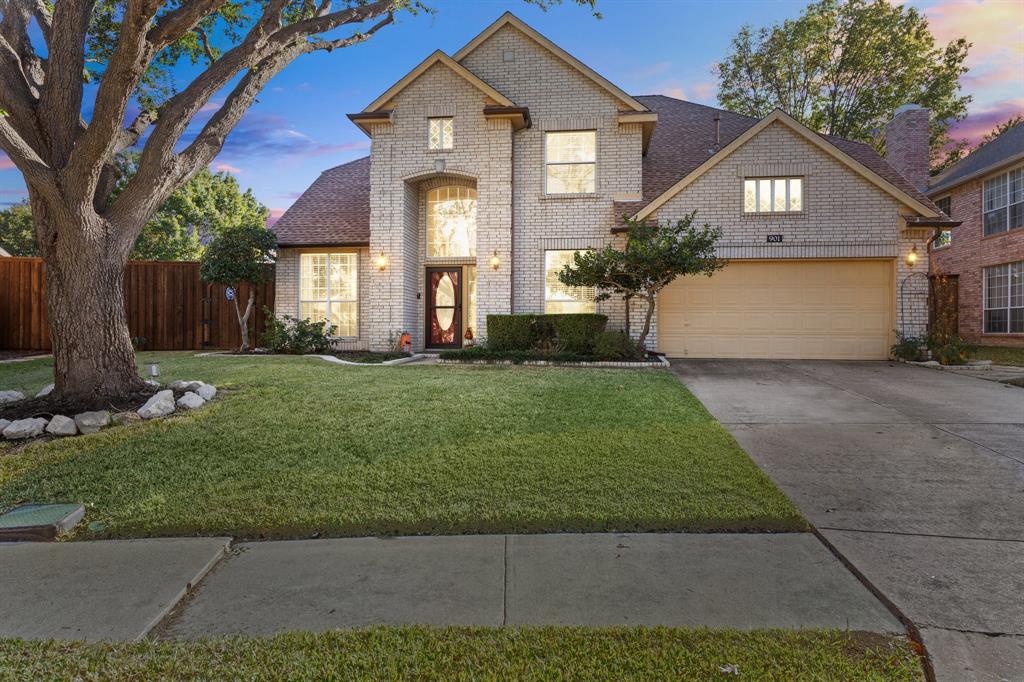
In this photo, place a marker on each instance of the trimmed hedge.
(575, 332)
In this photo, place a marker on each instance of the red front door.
(444, 308)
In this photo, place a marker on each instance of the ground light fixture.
(495, 261)
(381, 262)
(912, 256)
(154, 370)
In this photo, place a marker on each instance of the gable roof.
(439, 57)
(334, 211)
(683, 148)
(1004, 150)
(509, 19)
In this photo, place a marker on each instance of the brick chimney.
(906, 143)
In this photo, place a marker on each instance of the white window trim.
(446, 143)
(569, 163)
(771, 201)
(329, 300)
(1009, 298)
(1005, 205)
(544, 265)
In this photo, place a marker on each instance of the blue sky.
(298, 128)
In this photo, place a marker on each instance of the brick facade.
(969, 254)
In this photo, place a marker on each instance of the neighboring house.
(489, 168)
(985, 254)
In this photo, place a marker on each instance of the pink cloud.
(982, 121)
(705, 91)
(996, 30)
(5, 162)
(222, 167)
(275, 215)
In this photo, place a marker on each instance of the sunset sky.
(299, 128)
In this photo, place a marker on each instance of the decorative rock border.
(661, 362)
(935, 364)
(161, 404)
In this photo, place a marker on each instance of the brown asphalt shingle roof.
(335, 210)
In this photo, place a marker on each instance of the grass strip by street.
(418, 653)
(294, 447)
(999, 355)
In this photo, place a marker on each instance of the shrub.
(948, 349)
(908, 348)
(293, 336)
(573, 333)
(616, 346)
(516, 357)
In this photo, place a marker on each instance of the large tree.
(179, 230)
(843, 67)
(66, 145)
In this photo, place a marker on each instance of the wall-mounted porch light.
(912, 256)
(495, 261)
(381, 262)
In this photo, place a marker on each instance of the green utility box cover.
(39, 521)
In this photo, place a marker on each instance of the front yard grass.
(480, 654)
(295, 447)
(999, 355)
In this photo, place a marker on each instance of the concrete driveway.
(914, 475)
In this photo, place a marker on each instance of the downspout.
(512, 224)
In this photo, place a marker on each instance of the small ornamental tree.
(240, 255)
(652, 257)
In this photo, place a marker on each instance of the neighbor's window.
(570, 159)
(559, 298)
(944, 239)
(1004, 299)
(945, 204)
(328, 290)
(1004, 202)
(773, 195)
(451, 222)
(440, 133)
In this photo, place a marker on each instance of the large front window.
(773, 195)
(1004, 299)
(1004, 202)
(328, 290)
(558, 297)
(570, 158)
(451, 222)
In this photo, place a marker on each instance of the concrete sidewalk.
(721, 580)
(119, 590)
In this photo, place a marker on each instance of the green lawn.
(999, 355)
(480, 654)
(297, 446)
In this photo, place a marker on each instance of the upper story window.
(1004, 202)
(945, 204)
(440, 134)
(451, 222)
(560, 298)
(1004, 299)
(570, 158)
(328, 290)
(773, 195)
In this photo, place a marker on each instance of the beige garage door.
(840, 309)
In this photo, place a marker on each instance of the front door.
(444, 308)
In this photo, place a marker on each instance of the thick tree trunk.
(92, 351)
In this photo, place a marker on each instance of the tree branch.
(60, 104)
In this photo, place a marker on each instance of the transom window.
(328, 290)
(451, 222)
(1004, 299)
(570, 159)
(1004, 202)
(440, 134)
(559, 298)
(773, 195)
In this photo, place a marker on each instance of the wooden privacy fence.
(167, 304)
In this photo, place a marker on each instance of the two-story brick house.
(489, 168)
(984, 257)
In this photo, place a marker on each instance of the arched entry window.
(451, 222)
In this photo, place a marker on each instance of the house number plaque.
(775, 239)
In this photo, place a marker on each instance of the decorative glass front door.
(444, 308)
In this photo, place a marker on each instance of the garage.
(787, 309)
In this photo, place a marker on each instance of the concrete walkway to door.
(916, 477)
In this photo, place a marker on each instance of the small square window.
(440, 133)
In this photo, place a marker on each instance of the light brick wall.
(559, 98)
(968, 255)
(286, 289)
(844, 215)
